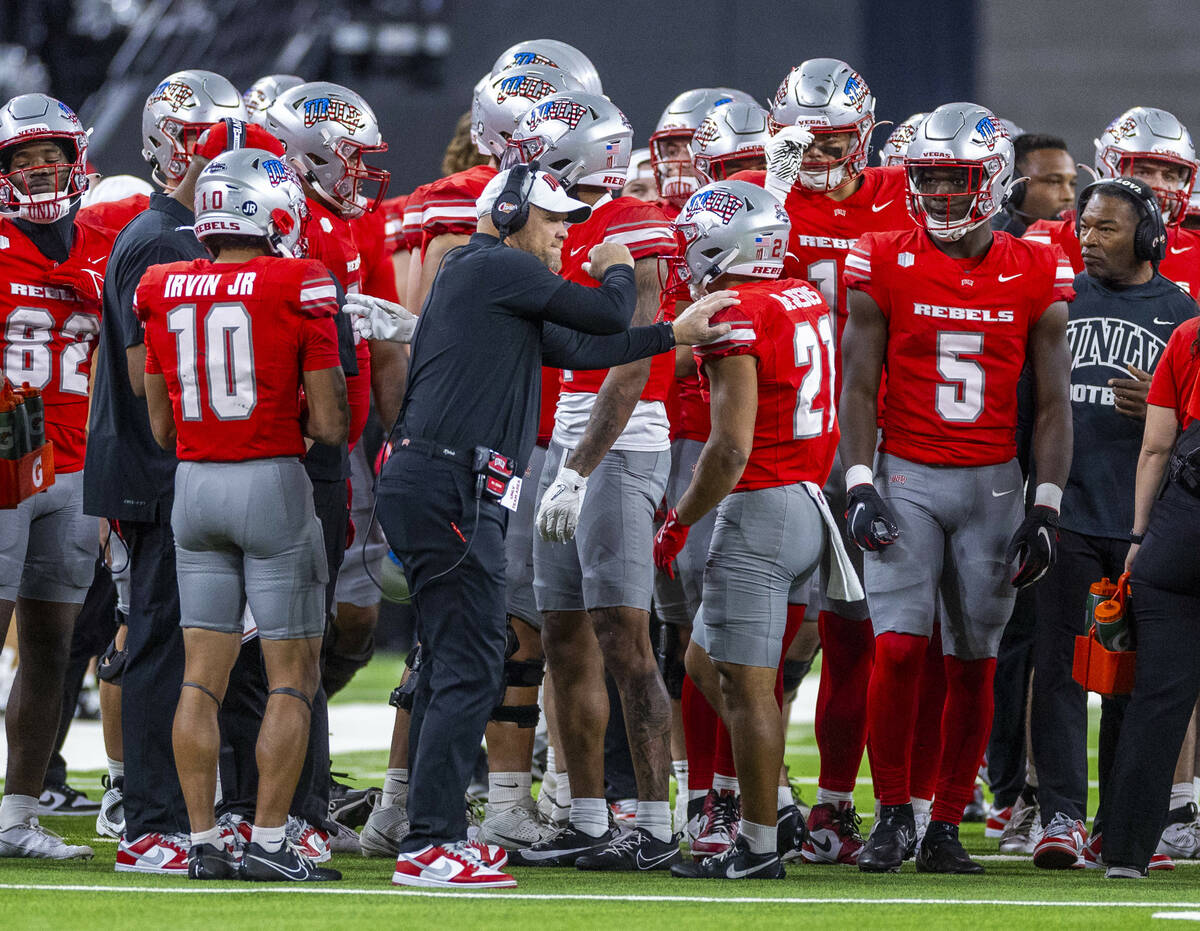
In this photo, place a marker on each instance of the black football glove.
(868, 520)
(1034, 545)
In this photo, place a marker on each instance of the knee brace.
(284, 690)
(111, 666)
(402, 694)
(794, 671)
(668, 648)
(197, 685)
(339, 666)
(520, 674)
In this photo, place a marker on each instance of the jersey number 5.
(228, 360)
(814, 351)
(961, 399)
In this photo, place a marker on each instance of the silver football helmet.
(960, 169)
(828, 97)
(669, 153)
(33, 188)
(577, 138)
(505, 98)
(1152, 134)
(731, 227)
(730, 138)
(328, 131)
(892, 152)
(252, 193)
(262, 93)
(551, 53)
(178, 110)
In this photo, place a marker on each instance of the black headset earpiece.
(1016, 194)
(235, 133)
(1150, 237)
(510, 212)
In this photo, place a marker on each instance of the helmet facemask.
(674, 172)
(1176, 172)
(42, 191)
(951, 198)
(826, 172)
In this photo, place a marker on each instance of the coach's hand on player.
(558, 512)
(1034, 546)
(868, 520)
(375, 318)
(785, 152)
(669, 540)
(1130, 393)
(605, 255)
(691, 327)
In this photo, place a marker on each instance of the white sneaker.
(552, 813)
(110, 822)
(310, 841)
(34, 841)
(1181, 841)
(383, 832)
(1024, 829)
(343, 839)
(513, 827)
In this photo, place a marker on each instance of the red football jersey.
(232, 341)
(114, 214)
(448, 206)
(378, 274)
(392, 211)
(786, 325)
(49, 321)
(1181, 264)
(957, 332)
(645, 230)
(1174, 382)
(688, 409)
(410, 222)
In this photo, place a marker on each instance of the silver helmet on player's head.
(177, 112)
(833, 102)
(730, 138)
(551, 53)
(262, 93)
(328, 131)
(577, 138)
(251, 193)
(1153, 145)
(502, 99)
(960, 169)
(43, 158)
(892, 152)
(730, 227)
(669, 153)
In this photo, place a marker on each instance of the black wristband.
(1136, 538)
(670, 328)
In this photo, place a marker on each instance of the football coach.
(496, 313)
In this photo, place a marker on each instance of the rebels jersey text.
(788, 328)
(232, 341)
(957, 333)
(49, 321)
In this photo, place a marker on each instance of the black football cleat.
(892, 840)
(287, 864)
(735, 863)
(563, 849)
(635, 851)
(942, 852)
(210, 861)
(791, 832)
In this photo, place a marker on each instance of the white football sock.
(589, 815)
(211, 836)
(562, 791)
(1181, 794)
(829, 797)
(16, 810)
(922, 806)
(655, 819)
(760, 838)
(680, 768)
(116, 769)
(726, 784)
(783, 797)
(395, 788)
(269, 839)
(508, 788)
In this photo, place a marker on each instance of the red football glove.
(669, 540)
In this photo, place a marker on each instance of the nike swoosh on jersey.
(578, 250)
(1175, 251)
(652, 862)
(875, 208)
(95, 260)
(1163, 322)
(1004, 278)
(1001, 494)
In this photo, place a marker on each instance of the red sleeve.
(739, 341)
(1064, 276)
(318, 294)
(858, 274)
(410, 223)
(450, 208)
(152, 364)
(1042, 231)
(644, 229)
(1166, 386)
(318, 344)
(142, 296)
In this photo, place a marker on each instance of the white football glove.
(375, 318)
(558, 513)
(785, 152)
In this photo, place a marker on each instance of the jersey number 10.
(228, 360)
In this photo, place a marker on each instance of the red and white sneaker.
(454, 866)
(1093, 856)
(492, 856)
(235, 831)
(624, 810)
(997, 821)
(166, 854)
(833, 835)
(310, 841)
(1062, 844)
(720, 829)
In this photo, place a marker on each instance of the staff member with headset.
(1122, 316)
(493, 317)
(1164, 556)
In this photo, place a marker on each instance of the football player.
(772, 443)
(259, 96)
(953, 310)
(1150, 144)
(53, 265)
(639, 179)
(891, 153)
(243, 511)
(592, 572)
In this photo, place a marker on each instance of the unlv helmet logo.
(523, 86)
(319, 109)
(277, 171)
(521, 59)
(781, 95)
(904, 134)
(175, 94)
(989, 131)
(1125, 129)
(856, 91)
(722, 203)
(707, 132)
(565, 111)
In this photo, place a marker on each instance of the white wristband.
(859, 475)
(1049, 496)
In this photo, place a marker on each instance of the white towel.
(841, 582)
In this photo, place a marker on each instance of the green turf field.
(1011, 895)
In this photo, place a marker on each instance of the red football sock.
(723, 759)
(966, 726)
(927, 733)
(841, 720)
(699, 736)
(892, 709)
(795, 617)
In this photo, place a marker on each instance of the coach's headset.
(510, 211)
(1150, 236)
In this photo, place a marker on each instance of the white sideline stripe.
(1178, 916)
(581, 897)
